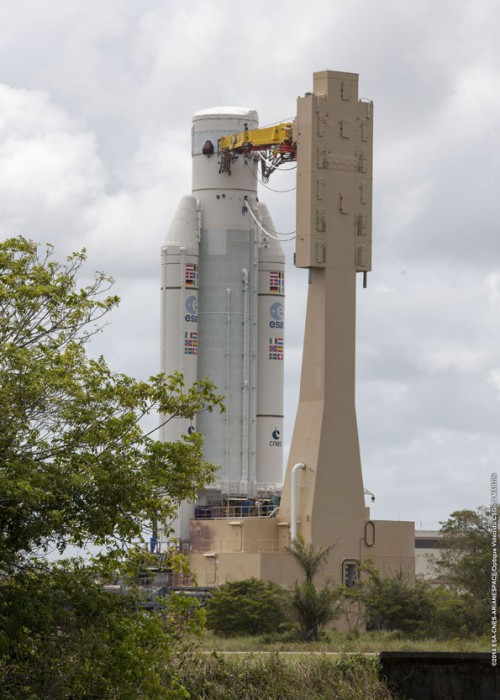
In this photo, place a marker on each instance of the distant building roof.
(427, 539)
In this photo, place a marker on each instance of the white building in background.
(426, 555)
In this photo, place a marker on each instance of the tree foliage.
(311, 558)
(64, 636)
(77, 468)
(465, 551)
(465, 558)
(314, 607)
(391, 603)
(245, 607)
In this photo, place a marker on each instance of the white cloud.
(493, 286)
(495, 380)
(49, 167)
(55, 169)
(462, 360)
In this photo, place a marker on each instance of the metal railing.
(244, 510)
(215, 546)
(199, 546)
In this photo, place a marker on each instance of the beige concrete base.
(251, 542)
(230, 550)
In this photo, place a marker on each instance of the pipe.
(228, 340)
(199, 221)
(293, 509)
(245, 408)
(163, 341)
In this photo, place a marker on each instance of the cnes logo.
(276, 441)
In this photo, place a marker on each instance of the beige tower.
(334, 132)
(334, 182)
(323, 495)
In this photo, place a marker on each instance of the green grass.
(265, 670)
(342, 642)
(277, 677)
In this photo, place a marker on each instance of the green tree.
(247, 607)
(314, 607)
(465, 558)
(64, 636)
(393, 604)
(452, 615)
(77, 468)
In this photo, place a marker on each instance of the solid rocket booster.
(222, 310)
(270, 365)
(179, 305)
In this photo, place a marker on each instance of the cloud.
(48, 166)
(461, 360)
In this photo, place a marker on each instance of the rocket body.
(222, 315)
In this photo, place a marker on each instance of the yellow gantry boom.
(257, 139)
(276, 142)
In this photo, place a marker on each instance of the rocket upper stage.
(223, 309)
(208, 126)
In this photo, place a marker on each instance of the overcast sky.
(96, 100)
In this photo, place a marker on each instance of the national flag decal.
(276, 282)
(191, 276)
(190, 343)
(276, 348)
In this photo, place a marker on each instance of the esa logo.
(192, 309)
(275, 442)
(276, 311)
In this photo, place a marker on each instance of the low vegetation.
(335, 642)
(275, 677)
(416, 611)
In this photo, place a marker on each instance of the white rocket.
(222, 315)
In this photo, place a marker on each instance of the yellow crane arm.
(259, 139)
(275, 141)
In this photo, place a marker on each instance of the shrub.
(247, 607)
(392, 604)
(314, 608)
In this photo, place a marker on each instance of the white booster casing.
(179, 323)
(238, 321)
(271, 349)
(179, 306)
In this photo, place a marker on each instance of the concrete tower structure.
(334, 132)
(222, 318)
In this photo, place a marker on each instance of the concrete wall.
(453, 675)
(230, 550)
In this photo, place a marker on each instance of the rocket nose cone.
(183, 229)
(272, 246)
(225, 112)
